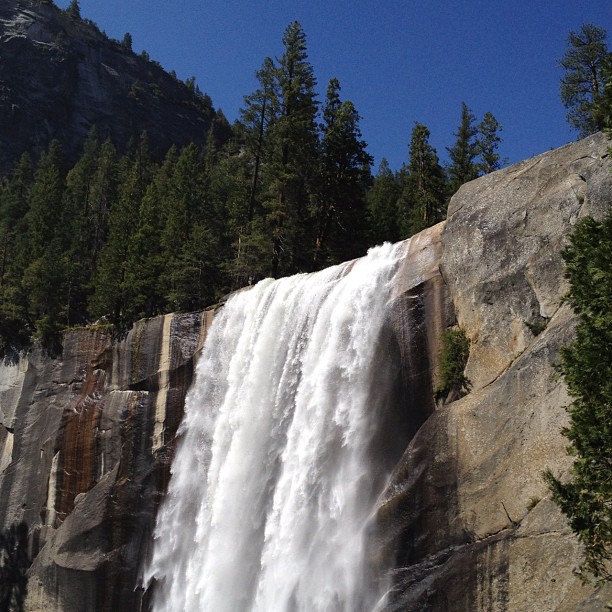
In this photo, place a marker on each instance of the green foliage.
(110, 296)
(584, 80)
(74, 10)
(586, 365)
(126, 42)
(293, 158)
(488, 142)
(463, 166)
(404, 203)
(136, 91)
(453, 359)
(537, 327)
(382, 205)
(340, 207)
(602, 107)
(286, 189)
(190, 237)
(14, 203)
(191, 84)
(475, 151)
(424, 185)
(258, 115)
(44, 284)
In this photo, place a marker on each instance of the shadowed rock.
(89, 456)
(60, 76)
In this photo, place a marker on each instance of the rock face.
(86, 445)
(466, 522)
(467, 513)
(59, 76)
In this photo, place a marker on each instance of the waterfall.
(272, 486)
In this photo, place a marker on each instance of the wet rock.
(90, 454)
(458, 514)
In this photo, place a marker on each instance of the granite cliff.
(60, 76)
(466, 522)
(467, 514)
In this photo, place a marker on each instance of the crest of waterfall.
(272, 487)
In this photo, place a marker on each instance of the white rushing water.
(271, 489)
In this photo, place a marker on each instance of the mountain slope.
(59, 76)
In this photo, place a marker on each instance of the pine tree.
(14, 204)
(190, 238)
(250, 236)
(109, 297)
(44, 281)
(586, 365)
(145, 256)
(77, 206)
(583, 82)
(340, 208)
(103, 194)
(488, 143)
(126, 42)
(424, 191)
(382, 203)
(258, 115)
(74, 10)
(602, 108)
(246, 244)
(293, 156)
(463, 153)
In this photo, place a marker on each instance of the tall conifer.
(109, 296)
(424, 190)
(382, 203)
(340, 208)
(44, 281)
(463, 153)
(293, 156)
(584, 80)
(488, 142)
(14, 203)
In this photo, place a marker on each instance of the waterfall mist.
(273, 485)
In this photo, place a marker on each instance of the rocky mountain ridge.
(60, 76)
(466, 522)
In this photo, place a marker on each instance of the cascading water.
(271, 488)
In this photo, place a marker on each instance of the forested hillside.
(288, 188)
(129, 229)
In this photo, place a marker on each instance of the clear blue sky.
(399, 61)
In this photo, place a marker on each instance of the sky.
(399, 62)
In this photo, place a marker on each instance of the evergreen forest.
(287, 188)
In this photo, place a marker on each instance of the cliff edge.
(467, 512)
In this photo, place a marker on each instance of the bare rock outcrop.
(467, 512)
(86, 448)
(60, 76)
